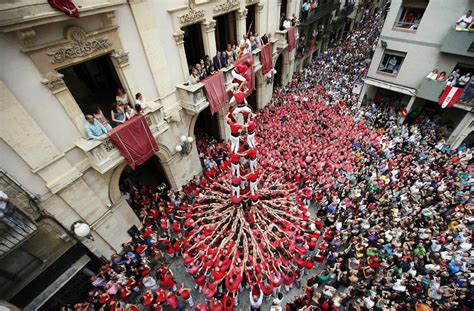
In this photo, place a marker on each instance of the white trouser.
(235, 169)
(236, 191)
(234, 143)
(251, 140)
(237, 76)
(253, 165)
(190, 301)
(238, 113)
(253, 187)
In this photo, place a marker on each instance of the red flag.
(449, 96)
(65, 6)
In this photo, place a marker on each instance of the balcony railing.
(103, 154)
(192, 97)
(458, 43)
(16, 224)
(281, 36)
(319, 12)
(431, 90)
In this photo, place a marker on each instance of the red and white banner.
(450, 96)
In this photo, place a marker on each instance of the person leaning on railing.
(465, 22)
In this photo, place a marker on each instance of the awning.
(458, 43)
(430, 90)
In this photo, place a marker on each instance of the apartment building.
(54, 70)
(419, 36)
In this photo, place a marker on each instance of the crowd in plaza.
(387, 210)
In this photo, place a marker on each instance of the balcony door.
(226, 31)
(193, 44)
(93, 84)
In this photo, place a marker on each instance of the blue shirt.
(95, 130)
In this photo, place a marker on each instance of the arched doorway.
(279, 69)
(207, 125)
(149, 174)
(252, 100)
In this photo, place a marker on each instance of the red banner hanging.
(214, 88)
(266, 58)
(449, 96)
(135, 141)
(291, 32)
(65, 6)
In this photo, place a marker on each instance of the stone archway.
(164, 155)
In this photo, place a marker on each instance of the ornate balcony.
(281, 36)
(104, 156)
(192, 97)
(257, 64)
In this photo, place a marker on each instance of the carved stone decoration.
(210, 25)
(227, 5)
(80, 46)
(191, 16)
(251, 1)
(179, 37)
(27, 36)
(242, 14)
(54, 81)
(108, 144)
(121, 56)
(260, 7)
(107, 18)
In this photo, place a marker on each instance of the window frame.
(403, 55)
(403, 12)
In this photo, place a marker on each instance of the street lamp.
(82, 230)
(186, 145)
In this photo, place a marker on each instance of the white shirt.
(286, 24)
(464, 21)
(142, 103)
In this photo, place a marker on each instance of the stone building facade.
(421, 36)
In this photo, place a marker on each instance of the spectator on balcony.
(442, 76)
(194, 76)
(229, 54)
(140, 100)
(95, 130)
(201, 71)
(245, 45)
(99, 115)
(465, 21)
(433, 74)
(282, 20)
(286, 24)
(117, 114)
(305, 10)
(449, 80)
(121, 98)
(129, 112)
(456, 74)
(212, 70)
(218, 61)
(264, 39)
(464, 80)
(138, 110)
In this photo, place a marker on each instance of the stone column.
(209, 37)
(408, 108)
(179, 38)
(241, 23)
(259, 24)
(55, 83)
(149, 29)
(278, 15)
(224, 130)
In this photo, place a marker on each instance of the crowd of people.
(370, 213)
(207, 66)
(456, 79)
(97, 125)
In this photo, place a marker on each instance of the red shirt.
(235, 128)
